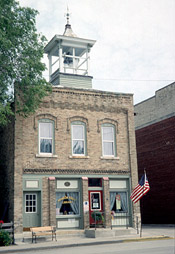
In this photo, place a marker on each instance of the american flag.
(141, 189)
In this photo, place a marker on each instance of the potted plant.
(98, 218)
(5, 239)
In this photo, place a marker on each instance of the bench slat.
(42, 233)
(39, 231)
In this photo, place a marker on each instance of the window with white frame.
(78, 139)
(108, 140)
(30, 203)
(46, 136)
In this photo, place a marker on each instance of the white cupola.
(69, 59)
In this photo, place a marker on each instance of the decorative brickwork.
(73, 171)
(106, 120)
(77, 118)
(45, 116)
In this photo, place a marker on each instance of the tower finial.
(67, 15)
(68, 30)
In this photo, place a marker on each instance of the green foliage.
(5, 239)
(98, 217)
(21, 52)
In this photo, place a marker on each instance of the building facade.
(76, 156)
(155, 142)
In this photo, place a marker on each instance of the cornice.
(76, 106)
(73, 171)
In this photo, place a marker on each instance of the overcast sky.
(135, 40)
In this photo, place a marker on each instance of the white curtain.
(123, 197)
(59, 195)
(75, 202)
(112, 199)
(123, 201)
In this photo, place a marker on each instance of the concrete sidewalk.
(149, 232)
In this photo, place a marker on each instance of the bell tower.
(69, 58)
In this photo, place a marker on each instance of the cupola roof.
(68, 29)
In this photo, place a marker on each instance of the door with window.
(31, 209)
(95, 207)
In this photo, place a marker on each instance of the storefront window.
(67, 203)
(118, 202)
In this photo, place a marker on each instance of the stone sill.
(109, 158)
(67, 216)
(46, 156)
(78, 157)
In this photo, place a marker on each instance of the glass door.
(96, 207)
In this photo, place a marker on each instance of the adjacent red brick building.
(155, 142)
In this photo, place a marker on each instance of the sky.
(135, 40)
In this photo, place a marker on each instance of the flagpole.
(140, 205)
(138, 192)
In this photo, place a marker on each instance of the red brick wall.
(156, 153)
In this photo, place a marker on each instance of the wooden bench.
(41, 231)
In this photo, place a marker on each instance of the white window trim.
(96, 209)
(75, 154)
(52, 139)
(109, 141)
(29, 200)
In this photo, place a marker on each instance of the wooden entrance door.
(95, 204)
(31, 209)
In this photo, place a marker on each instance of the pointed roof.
(68, 30)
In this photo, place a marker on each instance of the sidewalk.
(149, 232)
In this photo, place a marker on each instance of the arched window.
(78, 131)
(108, 140)
(46, 136)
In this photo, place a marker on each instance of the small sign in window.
(95, 201)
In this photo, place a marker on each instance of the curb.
(22, 249)
(154, 238)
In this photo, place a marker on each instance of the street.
(144, 247)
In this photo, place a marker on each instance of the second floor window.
(46, 137)
(108, 144)
(78, 139)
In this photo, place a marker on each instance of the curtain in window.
(59, 195)
(112, 199)
(46, 130)
(74, 197)
(123, 201)
(108, 148)
(123, 197)
(78, 139)
(46, 146)
(78, 132)
(108, 140)
(78, 147)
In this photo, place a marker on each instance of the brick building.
(155, 142)
(76, 155)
